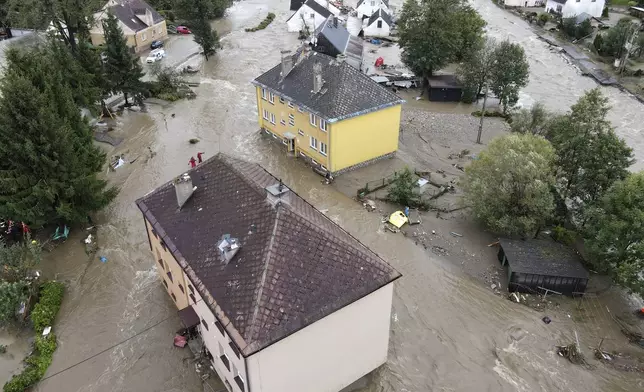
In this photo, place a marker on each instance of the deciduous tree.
(615, 233)
(534, 120)
(434, 33)
(509, 73)
(474, 72)
(508, 187)
(122, 69)
(590, 156)
(49, 165)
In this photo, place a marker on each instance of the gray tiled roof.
(346, 91)
(315, 6)
(342, 40)
(543, 257)
(382, 14)
(131, 13)
(295, 265)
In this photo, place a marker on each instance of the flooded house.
(141, 24)
(572, 8)
(366, 8)
(378, 25)
(333, 39)
(327, 112)
(444, 88)
(283, 298)
(537, 265)
(311, 15)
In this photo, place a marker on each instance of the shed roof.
(295, 266)
(444, 81)
(543, 257)
(346, 92)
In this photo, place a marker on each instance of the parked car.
(155, 55)
(156, 44)
(183, 30)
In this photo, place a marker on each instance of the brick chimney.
(287, 63)
(317, 77)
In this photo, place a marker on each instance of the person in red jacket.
(193, 162)
(199, 154)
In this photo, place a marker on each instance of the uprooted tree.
(508, 187)
(615, 235)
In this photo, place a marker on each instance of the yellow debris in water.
(398, 219)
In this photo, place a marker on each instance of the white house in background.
(570, 8)
(524, 3)
(368, 7)
(378, 25)
(311, 14)
(284, 300)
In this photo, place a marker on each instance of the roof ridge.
(267, 260)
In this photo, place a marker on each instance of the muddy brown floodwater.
(449, 333)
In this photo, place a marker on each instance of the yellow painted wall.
(156, 32)
(165, 262)
(365, 137)
(302, 122)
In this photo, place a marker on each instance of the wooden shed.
(537, 264)
(444, 88)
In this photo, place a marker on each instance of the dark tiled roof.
(132, 12)
(296, 4)
(543, 257)
(346, 92)
(295, 265)
(315, 6)
(443, 81)
(342, 40)
(380, 14)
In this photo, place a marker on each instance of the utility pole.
(478, 137)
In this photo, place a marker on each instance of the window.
(225, 361)
(192, 297)
(282, 100)
(165, 283)
(290, 104)
(373, 3)
(163, 246)
(313, 142)
(174, 298)
(312, 16)
(143, 37)
(181, 288)
(291, 122)
(265, 114)
(299, 109)
(282, 122)
(300, 132)
(192, 290)
(235, 349)
(239, 381)
(271, 97)
(161, 262)
(323, 168)
(205, 324)
(323, 148)
(170, 276)
(272, 119)
(220, 328)
(264, 94)
(322, 125)
(380, 24)
(312, 119)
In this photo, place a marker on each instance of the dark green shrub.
(45, 311)
(269, 18)
(563, 235)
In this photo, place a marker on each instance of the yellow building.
(140, 23)
(327, 112)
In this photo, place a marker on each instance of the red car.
(183, 30)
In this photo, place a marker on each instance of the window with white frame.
(300, 132)
(299, 109)
(282, 122)
(313, 142)
(322, 148)
(272, 119)
(271, 97)
(265, 114)
(312, 119)
(282, 100)
(291, 119)
(290, 104)
(239, 380)
(143, 37)
(264, 94)
(322, 125)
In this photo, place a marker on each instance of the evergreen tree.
(197, 13)
(122, 68)
(49, 165)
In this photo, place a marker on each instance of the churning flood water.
(449, 333)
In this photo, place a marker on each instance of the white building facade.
(571, 8)
(368, 7)
(378, 25)
(524, 3)
(311, 15)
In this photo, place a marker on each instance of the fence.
(372, 186)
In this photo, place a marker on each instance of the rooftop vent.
(183, 188)
(277, 193)
(228, 248)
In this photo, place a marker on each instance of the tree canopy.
(48, 161)
(509, 74)
(534, 120)
(615, 233)
(122, 69)
(508, 187)
(196, 12)
(474, 71)
(434, 33)
(614, 40)
(590, 156)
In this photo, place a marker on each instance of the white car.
(155, 55)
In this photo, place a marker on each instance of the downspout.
(147, 232)
(329, 147)
(250, 388)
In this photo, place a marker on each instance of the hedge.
(269, 18)
(43, 315)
